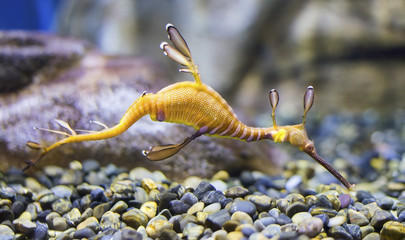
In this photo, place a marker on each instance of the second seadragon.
(197, 105)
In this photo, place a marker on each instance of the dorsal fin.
(180, 52)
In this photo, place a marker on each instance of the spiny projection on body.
(198, 105)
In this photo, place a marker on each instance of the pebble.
(6, 230)
(237, 191)
(336, 221)
(338, 232)
(354, 231)
(110, 220)
(24, 225)
(263, 203)
(345, 200)
(301, 216)
(379, 218)
(202, 188)
(243, 206)
(295, 208)
(311, 226)
(149, 209)
(241, 217)
(372, 236)
(120, 206)
(61, 206)
(91, 223)
(283, 219)
(135, 218)
(60, 223)
(217, 219)
(393, 230)
(193, 231)
(357, 218)
(210, 197)
(155, 229)
(365, 230)
(189, 199)
(84, 233)
(214, 207)
(197, 207)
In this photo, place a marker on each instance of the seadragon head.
(297, 135)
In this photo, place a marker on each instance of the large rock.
(101, 88)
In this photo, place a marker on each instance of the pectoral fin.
(157, 153)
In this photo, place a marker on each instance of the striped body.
(198, 106)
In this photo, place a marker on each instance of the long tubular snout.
(328, 167)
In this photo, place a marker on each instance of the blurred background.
(352, 52)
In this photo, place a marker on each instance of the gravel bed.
(91, 201)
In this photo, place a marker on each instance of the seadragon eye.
(309, 148)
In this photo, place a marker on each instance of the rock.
(189, 198)
(128, 233)
(6, 230)
(110, 220)
(301, 216)
(311, 226)
(119, 207)
(295, 208)
(212, 197)
(197, 207)
(354, 231)
(122, 186)
(242, 218)
(393, 230)
(41, 231)
(100, 209)
(91, 223)
(217, 219)
(60, 223)
(135, 218)
(357, 218)
(178, 207)
(24, 225)
(214, 207)
(246, 229)
(61, 206)
(380, 217)
(362, 195)
(283, 219)
(186, 219)
(336, 221)
(202, 188)
(323, 201)
(237, 191)
(149, 208)
(89, 165)
(365, 230)
(155, 229)
(372, 236)
(338, 232)
(221, 175)
(6, 214)
(319, 210)
(345, 200)
(243, 206)
(263, 203)
(84, 233)
(272, 230)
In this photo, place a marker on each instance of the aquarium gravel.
(91, 201)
